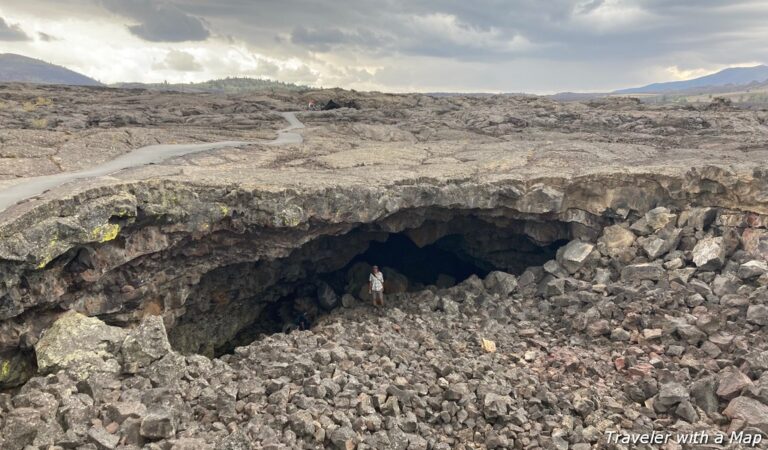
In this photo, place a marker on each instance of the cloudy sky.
(538, 46)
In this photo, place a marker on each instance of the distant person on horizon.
(376, 286)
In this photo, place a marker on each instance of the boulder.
(755, 241)
(326, 296)
(83, 344)
(495, 405)
(614, 239)
(671, 394)
(752, 269)
(709, 253)
(553, 268)
(704, 394)
(751, 411)
(757, 314)
(731, 383)
(103, 439)
(394, 281)
(145, 344)
(348, 300)
(653, 220)
(699, 218)
(500, 283)
(357, 278)
(661, 243)
(159, 423)
(643, 271)
(574, 255)
(20, 428)
(344, 438)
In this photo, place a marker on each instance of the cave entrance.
(421, 266)
(436, 255)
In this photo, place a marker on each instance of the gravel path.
(151, 154)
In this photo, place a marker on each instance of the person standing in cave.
(376, 286)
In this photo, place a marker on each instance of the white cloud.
(179, 61)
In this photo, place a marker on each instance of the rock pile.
(656, 325)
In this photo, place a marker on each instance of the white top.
(377, 281)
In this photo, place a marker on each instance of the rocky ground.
(658, 324)
(652, 318)
(47, 130)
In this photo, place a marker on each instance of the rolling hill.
(732, 76)
(29, 70)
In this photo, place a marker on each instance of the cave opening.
(317, 276)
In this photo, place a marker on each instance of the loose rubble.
(658, 325)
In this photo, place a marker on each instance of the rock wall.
(127, 251)
(655, 325)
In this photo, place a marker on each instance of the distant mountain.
(223, 86)
(29, 70)
(731, 76)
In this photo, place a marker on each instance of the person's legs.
(378, 298)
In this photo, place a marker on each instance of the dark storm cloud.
(602, 42)
(159, 21)
(588, 30)
(11, 32)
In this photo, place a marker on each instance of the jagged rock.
(644, 271)
(326, 296)
(690, 334)
(574, 255)
(671, 394)
(687, 412)
(614, 239)
(752, 269)
(158, 423)
(344, 438)
(751, 411)
(598, 328)
(620, 334)
(755, 242)
(348, 300)
(82, 344)
(191, 444)
(660, 244)
(731, 383)
(553, 268)
(145, 344)
(704, 395)
(302, 423)
(709, 253)
(119, 411)
(698, 218)
(20, 428)
(758, 314)
(653, 220)
(501, 283)
(102, 438)
(495, 405)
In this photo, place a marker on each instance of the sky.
(534, 46)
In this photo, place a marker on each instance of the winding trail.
(151, 154)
